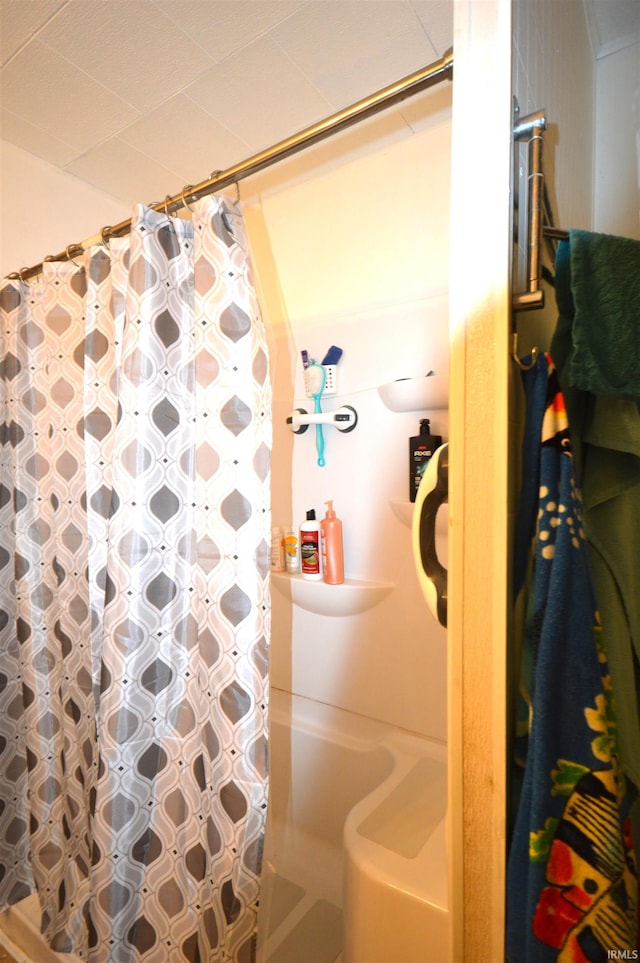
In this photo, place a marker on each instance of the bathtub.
(355, 853)
(355, 860)
(20, 935)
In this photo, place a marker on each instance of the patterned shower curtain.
(134, 607)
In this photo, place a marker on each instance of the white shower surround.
(360, 257)
(357, 831)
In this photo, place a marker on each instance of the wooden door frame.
(479, 476)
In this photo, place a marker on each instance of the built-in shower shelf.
(426, 393)
(403, 510)
(349, 598)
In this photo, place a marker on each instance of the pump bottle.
(332, 551)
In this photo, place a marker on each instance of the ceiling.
(140, 97)
(612, 24)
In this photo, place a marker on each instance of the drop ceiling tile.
(222, 27)
(185, 138)
(126, 173)
(436, 16)
(20, 20)
(351, 49)
(74, 93)
(21, 132)
(259, 95)
(612, 25)
(53, 94)
(129, 46)
(428, 109)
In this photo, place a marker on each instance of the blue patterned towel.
(571, 876)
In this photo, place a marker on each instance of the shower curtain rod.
(414, 83)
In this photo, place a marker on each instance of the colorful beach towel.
(572, 876)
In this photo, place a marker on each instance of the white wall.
(357, 255)
(617, 155)
(44, 209)
(553, 71)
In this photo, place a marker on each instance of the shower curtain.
(134, 607)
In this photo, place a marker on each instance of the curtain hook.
(516, 357)
(17, 276)
(69, 256)
(105, 230)
(166, 205)
(185, 189)
(45, 260)
(214, 174)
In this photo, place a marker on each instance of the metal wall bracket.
(531, 128)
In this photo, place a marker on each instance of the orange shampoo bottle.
(332, 551)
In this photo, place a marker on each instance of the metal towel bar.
(539, 224)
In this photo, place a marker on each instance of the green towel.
(611, 492)
(605, 285)
(605, 434)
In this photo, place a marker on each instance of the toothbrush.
(333, 355)
(317, 381)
